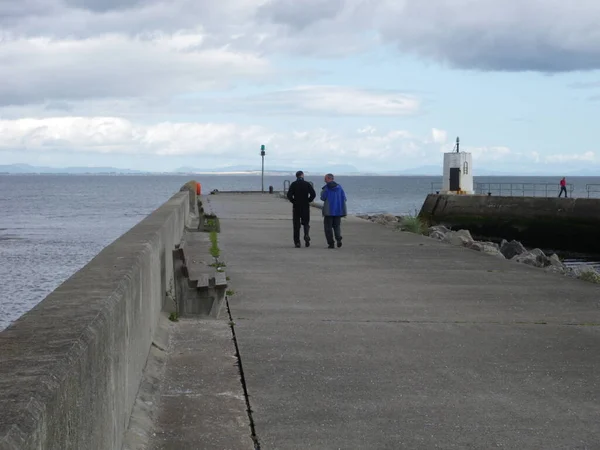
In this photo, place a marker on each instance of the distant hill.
(423, 170)
(26, 168)
(342, 169)
(337, 169)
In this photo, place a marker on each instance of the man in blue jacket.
(334, 208)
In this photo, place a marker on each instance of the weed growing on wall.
(214, 244)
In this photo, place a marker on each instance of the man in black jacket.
(301, 194)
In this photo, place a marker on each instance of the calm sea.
(52, 225)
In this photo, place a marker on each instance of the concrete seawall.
(70, 368)
(559, 223)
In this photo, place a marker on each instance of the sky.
(379, 85)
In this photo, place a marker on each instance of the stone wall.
(70, 368)
(569, 224)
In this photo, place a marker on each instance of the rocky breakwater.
(514, 251)
(383, 219)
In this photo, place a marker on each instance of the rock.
(383, 219)
(543, 260)
(477, 246)
(557, 269)
(486, 247)
(512, 249)
(492, 244)
(526, 258)
(460, 238)
(555, 261)
(464, 233)
(439, 228)
(437, 235)
(492, 248)
(535, 258)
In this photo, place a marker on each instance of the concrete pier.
(394, 341)
(397, 341)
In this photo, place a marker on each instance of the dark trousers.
(332, 226)
(563, 189)
(301, 216)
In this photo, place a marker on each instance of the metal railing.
(593, 190)
(521, 189)
(286, 185)
(436, 187)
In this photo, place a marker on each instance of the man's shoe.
(339, 244)
(307, 241)
(331, 246)
(297, 244)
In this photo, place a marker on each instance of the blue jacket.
(334, 200)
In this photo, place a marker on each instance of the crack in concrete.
(242, 378)
(469, 322)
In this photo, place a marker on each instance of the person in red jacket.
(563, 187)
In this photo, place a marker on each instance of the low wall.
(70, 368)
(569, 224)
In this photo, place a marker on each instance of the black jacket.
(301, 192)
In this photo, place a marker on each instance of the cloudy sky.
(382, 85)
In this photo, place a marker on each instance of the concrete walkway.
(396, 341)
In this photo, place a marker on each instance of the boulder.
(437, 235)
(486, 247)
(557, 269)
(464, 233)
(460, 238)
(492, 244)
(543, 260)
(492, 248)
(512, 249)
(555, 261)
(477, 246)
(439, 228)
(526, 258)
(384, 219)
(535, 258)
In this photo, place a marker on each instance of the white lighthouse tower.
(458, 172)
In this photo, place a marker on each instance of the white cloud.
(304, 100)
(120, 136)
(110, 135)
(563, 158)
(35, 69)
(439, 136)
(487, 154)
(319, 100)
(513, 35)
(356, 101)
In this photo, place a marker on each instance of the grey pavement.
(397, 341)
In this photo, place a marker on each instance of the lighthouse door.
(454, 179)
